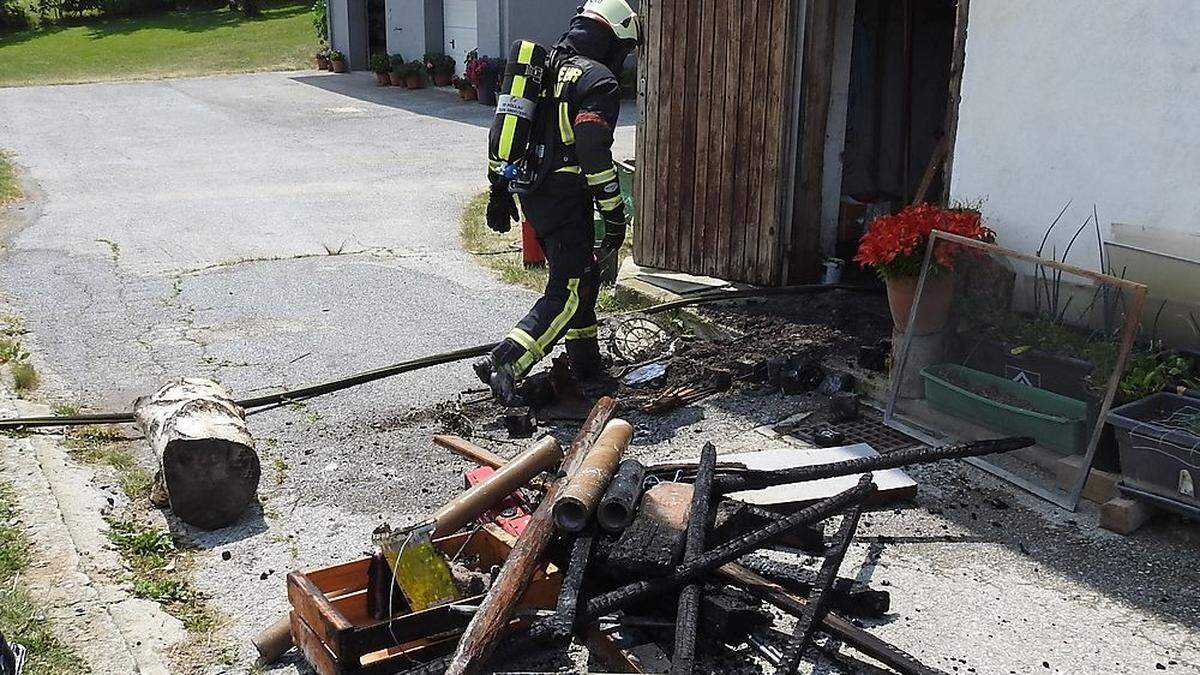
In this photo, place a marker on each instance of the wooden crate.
(337, 636)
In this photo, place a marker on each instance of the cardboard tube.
(273, 641)
(578, 500)
(541, 456)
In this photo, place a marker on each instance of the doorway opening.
(376, 27)
(900, 55)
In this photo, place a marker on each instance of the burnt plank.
(330, 626)
(652, 545)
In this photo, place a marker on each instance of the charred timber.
(833, 624)
(818, 600)
(757, 480)
(846, 596)
(568, 595)
(620, 499)
(687, 616)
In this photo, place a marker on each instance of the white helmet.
(617, 15)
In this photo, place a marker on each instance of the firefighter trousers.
(561, 215)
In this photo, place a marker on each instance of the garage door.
(460, 29)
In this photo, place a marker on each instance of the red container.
(531, 251)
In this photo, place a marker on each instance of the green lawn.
(164, 45)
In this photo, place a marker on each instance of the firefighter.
(581, 112)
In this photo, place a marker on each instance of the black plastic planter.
(1160, 455)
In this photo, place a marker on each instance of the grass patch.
(10, 189)
(25, 376)
(502, 254)
(100, 444)
(21, 619)
(158, 570)
(172, 44)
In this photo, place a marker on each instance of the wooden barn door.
(717, 94)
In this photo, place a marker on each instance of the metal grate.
(870, 429)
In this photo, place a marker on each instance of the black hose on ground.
(415, 364)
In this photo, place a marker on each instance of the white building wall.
(1092, 101)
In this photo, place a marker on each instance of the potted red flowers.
(895, 246)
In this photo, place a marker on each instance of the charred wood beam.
(568, 595)
(840, 628)
(621, 498)
(846, 596)
(757, 480)
(734, 518)
(486, 627)
(818, 600)
(687, 616)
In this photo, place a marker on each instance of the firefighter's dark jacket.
(587, 98)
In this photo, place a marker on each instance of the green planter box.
(1013, 409)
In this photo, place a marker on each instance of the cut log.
(205, 452)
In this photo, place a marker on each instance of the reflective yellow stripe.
(494, 164)
(610, 203)
(564, 317)
(526, 340)
(564, 124)
(602, 177)
(583, 333)
(569, 169)
(526, 54)
(523, 364)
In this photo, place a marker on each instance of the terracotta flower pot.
(396, 79)
(340, 66)
(413, 81)
(382, 79)
(323, 63)
(441, 79)
(935, 304)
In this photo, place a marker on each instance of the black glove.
(614, 230)
(501, 210)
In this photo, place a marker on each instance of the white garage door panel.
(460, 28)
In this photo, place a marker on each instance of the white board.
(892, 482)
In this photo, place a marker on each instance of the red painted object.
(512, 515)
(531, 251)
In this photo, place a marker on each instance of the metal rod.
(687, 616)
(818, 600)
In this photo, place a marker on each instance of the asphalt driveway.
(268, 231)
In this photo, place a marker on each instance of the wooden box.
(337, 636)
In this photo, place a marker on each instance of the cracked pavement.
(187, 227)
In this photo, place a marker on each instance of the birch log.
(206, 456)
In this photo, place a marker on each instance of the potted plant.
(440, 68)
(895, 246)
(381, 65)
(412, 75)
(322, 57)
(338, 61)
(397, 66)
(492, 73)
(466, 90)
